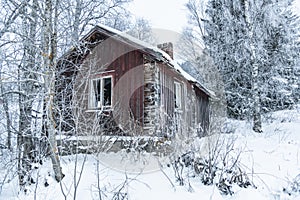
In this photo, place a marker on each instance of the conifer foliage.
(241, 34)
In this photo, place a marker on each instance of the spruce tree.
(275, 41)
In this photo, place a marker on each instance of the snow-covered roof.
(158, 53)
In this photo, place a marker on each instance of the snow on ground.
(271, 161)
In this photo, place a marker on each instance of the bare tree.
(49, 43)
(4, 102)
(79, 16)
(141, 29)
(34, 34)
(193, 49)
(257, 127)
(27, 84)
(11, 10)
(197, 16)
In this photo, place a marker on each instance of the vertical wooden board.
(136, 56)
(203, 109)
(139, 62)
(132, 81)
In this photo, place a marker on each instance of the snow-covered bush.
(220, 166)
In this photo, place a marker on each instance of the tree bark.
(25, 143)
(50, 48)
(7, 115)
(257, 125)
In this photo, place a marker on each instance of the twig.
(160, 165)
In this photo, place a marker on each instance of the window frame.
(176, 84)
(91, 93)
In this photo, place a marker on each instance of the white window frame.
(92, 105)
(178, 92)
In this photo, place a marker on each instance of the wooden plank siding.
(195, 109)
(202, 111)
(143, 100)
(108, 59)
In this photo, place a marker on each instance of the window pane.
(92, 96)
(177, 95)
(100, 92)
(97, 93)
(107, 91)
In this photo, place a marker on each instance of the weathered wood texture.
(122, 62)
(143, 92)
(194, 113)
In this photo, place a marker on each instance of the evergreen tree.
(273, 35)
(226, 41)
(280, 57)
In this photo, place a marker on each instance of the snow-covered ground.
(271, 160)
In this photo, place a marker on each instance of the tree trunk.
(257, 126)
(8, 123)
(6, 111)
(50, 47)
(25, 143)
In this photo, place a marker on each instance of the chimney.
(167, 47)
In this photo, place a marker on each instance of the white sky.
(297, 7)
(166, 14)
(168, 17)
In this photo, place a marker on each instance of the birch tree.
(34, 34)
(193, 49)
(196, 16)
(49, 47)
(257, 127)
(4, 101)
(27, 86)
(141, 29)
(10, 13)
(79, 16)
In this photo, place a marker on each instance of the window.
(100, 92)
(178, 95)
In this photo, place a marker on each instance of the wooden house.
(114, 84)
